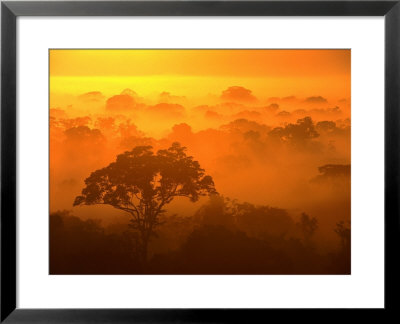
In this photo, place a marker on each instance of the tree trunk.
(144, 248)
(145, 233)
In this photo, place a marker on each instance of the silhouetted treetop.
(326, 126)
(140, 174)
(333, 172)
(307, 225)
(302, 131)
(218, 211)
(261, 220)
(335, 169)
(84, 133)
(344, 232)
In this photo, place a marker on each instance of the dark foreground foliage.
(85, 247)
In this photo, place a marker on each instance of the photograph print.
(200, 161)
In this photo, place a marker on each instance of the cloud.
(237, 93)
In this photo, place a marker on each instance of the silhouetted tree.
(218, 250)
(141, 183)
(333, 173)
(84, 134)
(344, 257)
(243, 125)
(307, 225)
(80, 246)
(326, 126)
(344, 234)
(259, 221)
(217, 212)
(297, 134)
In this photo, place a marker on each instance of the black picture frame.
(10, 10)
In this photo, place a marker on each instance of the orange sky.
(245, 63)
(196, 72)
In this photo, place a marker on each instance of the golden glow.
(198, 72)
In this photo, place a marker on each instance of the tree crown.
(142, 180)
